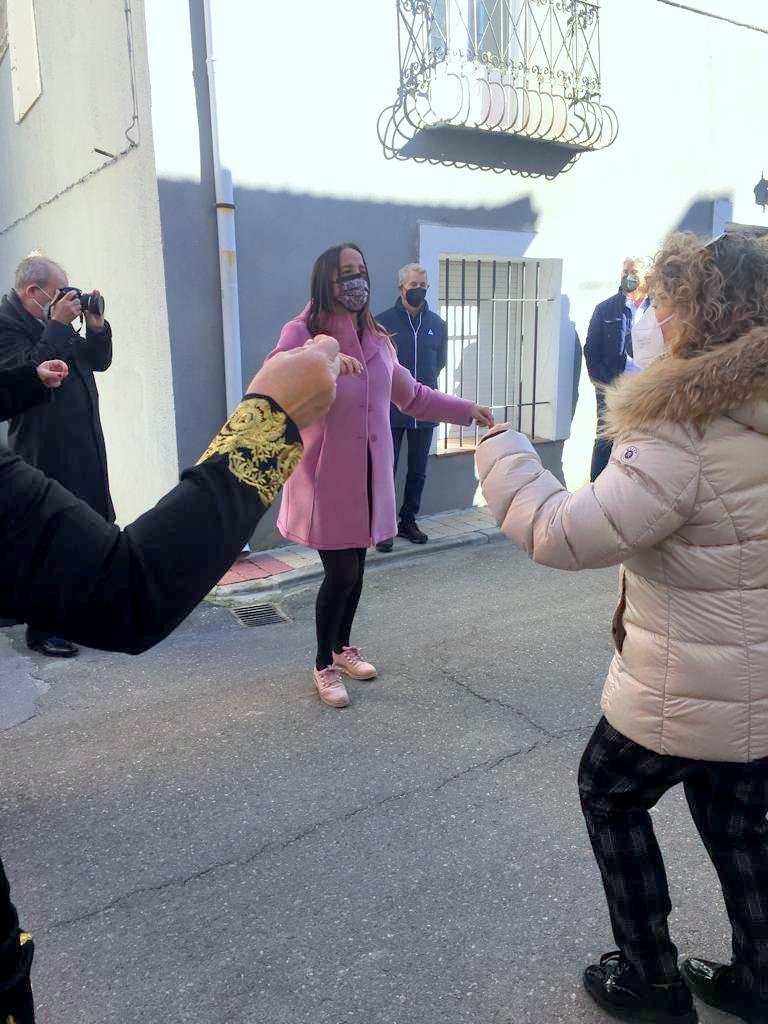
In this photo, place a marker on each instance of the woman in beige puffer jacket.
(683, 507)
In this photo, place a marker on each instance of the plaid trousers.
(619, 781)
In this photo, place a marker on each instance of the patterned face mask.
(353, 291)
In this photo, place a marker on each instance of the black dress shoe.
(716, 985)
(385, 546)
(54, 647)
(411, 532)
(615, 986)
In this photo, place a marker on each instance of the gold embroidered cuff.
(255, 441)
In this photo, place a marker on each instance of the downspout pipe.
(225, 222)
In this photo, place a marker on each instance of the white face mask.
(648, 338)
(44, 309)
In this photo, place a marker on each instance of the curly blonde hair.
(717, 291)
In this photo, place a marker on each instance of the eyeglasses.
(712, 244)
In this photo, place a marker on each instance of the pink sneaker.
(330, 687)
(352, 664)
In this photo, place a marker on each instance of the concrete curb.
(273, 589)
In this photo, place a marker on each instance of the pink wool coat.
(325, 502)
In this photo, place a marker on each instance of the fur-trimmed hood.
(731, 380)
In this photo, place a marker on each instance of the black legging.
(337, 601)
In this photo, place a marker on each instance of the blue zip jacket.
(422, 348)
(609, 339)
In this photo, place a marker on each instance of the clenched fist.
(302, 381)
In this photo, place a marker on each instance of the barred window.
(500, 323)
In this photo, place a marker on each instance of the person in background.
(683, 506)
(608, 349)
(68, 570)
(342, 495)
(420, 338)
(63, 437)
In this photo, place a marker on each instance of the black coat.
(64, 569)
(63, 437)
(609, 339)
(20, 389)
(422, 348)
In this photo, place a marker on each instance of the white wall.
(105, 230)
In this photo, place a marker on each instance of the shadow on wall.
(191, 262)
(706, 217)
(475, 147)
(279, 235)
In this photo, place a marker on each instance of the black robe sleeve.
(20, 389)
(97, 348)
(17, 349)
(64, 569)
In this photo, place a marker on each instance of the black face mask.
(415, 297)
(630, 283)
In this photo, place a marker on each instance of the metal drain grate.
(260, 615)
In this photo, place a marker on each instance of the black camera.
(89, 303)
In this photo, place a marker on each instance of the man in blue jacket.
(608, 350)
(421, 340)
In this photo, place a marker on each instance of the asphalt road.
(192, 837)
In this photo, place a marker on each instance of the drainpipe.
(225, 222)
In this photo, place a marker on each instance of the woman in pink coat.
(341, 498)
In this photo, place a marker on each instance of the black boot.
(716, 985)
(411, 532)
(385, 546)
(616, 986)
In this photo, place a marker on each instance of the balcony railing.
(527, 69)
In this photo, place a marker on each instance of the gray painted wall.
(190, 251)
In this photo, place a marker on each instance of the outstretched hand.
(348, 365)
(482, 415)
(302, 381)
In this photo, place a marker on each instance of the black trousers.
(16, 952)
(601, 452)
(619, 782)
(419, 443)
(337, 601)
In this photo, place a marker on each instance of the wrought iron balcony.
(521, 69)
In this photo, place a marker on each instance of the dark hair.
(321, 301)
(718, 291)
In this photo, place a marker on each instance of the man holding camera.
(62, 437)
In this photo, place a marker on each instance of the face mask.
(648, 338)
(353, 292)
(46, 308)
(630, 283)
(415, 297)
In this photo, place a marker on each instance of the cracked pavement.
(191, 836)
